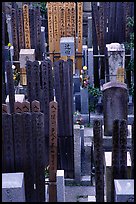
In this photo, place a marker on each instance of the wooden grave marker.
(79, 30)
(26, 26)
(53, 150)
(50, 29)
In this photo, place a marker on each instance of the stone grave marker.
(90, 66)
(84, 100)
(116, 59)
(43, 47)
(24, 56)
(77, 153)
(67, 46)
(60, 186)
(115, 104)
(13, 189)
(53, 150)
(84, 52)
(124, 190)
(89, 32)
(108, 171)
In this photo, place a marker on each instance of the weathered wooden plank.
(39, 149)
(14, 34)
(38, 34)
(36, 81)
(32, 28)
(7, 144)
(28, 156)
(115, 155)
(25, 106)
(98, 158)
(35, 106)
(45, 96)
(18, 142)
(123, 149)
(20, 29)
(56, 30)
(62, 19)
(58, 84)
(80, 31)
(53, 124)
(18, 107)
(29, 67)
(4, 108)
(10, 85)
(95, 48)
(26, 26)
(50, 29)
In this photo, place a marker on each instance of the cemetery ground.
(68, 101)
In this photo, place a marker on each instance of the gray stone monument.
(25, 55)
(108, 172)
(115, 104)
(76, 81)
(84, 100)
(13, 187)
(82, 138)
(77, 153)
(116, 59)
(124, 190)
(90, 32)
(84, 52)
(67, 46)
(60, 186)
(90, 66)
(43, 40)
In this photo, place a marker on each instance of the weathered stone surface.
(124, 190)
(13, 189)
(115, 104)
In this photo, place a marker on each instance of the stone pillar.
(13, 189)
(77, 153)
(90, 66)
(84, 100)
(8, 21)
(60, 186)
(124, 190)
(115, 104)
(43, 41)
(24, 56)
(116, 59)
(84, 52)
(82, 138)
(90, 32)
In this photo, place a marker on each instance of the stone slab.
(67, 46)
(13, 187)
(124, 190)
